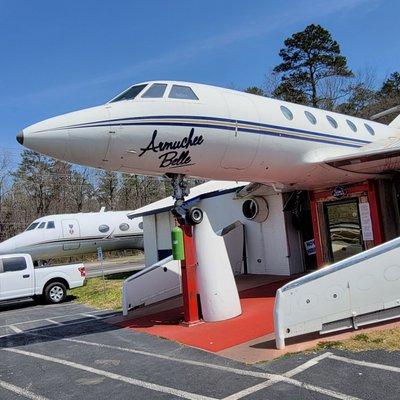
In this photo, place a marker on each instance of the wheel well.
(60, 280)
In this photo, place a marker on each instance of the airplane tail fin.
(396, 122)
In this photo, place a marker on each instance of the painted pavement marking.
(21, 391)
(135, 382)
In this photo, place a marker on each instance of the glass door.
(344, 229)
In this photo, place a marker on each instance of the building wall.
(272, 247)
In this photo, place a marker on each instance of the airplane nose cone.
(72, 137)
(20, 137)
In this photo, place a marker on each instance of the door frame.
(365, 190)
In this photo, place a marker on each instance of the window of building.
(370, 129)
(14, 264)
(351, 125)
(140, 225)
(124, 227)
(332, 121)
(33, 226)
(156, 90)
(182, 92)
(51, 225)
(129, 94)
(310, 117)
(104, 228)
(42, 225)
(287, 113)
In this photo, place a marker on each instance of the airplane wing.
(374, 158)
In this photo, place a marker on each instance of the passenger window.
(332, 121)
(182, 92)
(33, 226)
(50, 225)
(156, 90)
(370, 129)
(129, 94)
(351, 125)
(104, 228)
(42, 225)
(124, 227)
(287, 113)
(310, 117)
(14, 264)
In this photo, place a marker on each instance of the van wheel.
(55, 292)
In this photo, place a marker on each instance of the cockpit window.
(182, 92)
(33, 226)
(156, 90)
(129, 94)
(42, 225)
(50, 225)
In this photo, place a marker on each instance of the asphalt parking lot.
(68, 351)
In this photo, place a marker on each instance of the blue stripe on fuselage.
(323, 137)
(113, 122)
(230, 128)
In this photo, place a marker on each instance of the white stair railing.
(357, 291)
(158, 282)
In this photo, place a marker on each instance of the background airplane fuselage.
(77, 234)
(225, 135)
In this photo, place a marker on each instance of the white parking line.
(250, 390)
(237, 371)
(136, 382)
(63, 316)
(272, 378)
(46, 328)
(15, 329)
(308, 364)
(21, 391)
(53, 322)
(365, 363)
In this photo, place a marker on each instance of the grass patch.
(388, 340)
(103, 295)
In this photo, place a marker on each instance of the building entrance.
(344, 236)
(346, 221)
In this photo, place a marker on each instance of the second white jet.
(64, 235)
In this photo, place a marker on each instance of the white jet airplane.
(178, 128)
(65, 235)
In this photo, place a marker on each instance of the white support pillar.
(216, 284)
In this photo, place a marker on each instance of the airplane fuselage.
(220, 134)
(65, 235)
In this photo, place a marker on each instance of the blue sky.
(59, 56)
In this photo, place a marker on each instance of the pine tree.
(309, 57)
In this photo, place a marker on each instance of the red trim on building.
(368, 189)
(374, 210)
(315, 224)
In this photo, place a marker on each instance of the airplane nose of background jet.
(8, 246)
(20, 137)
